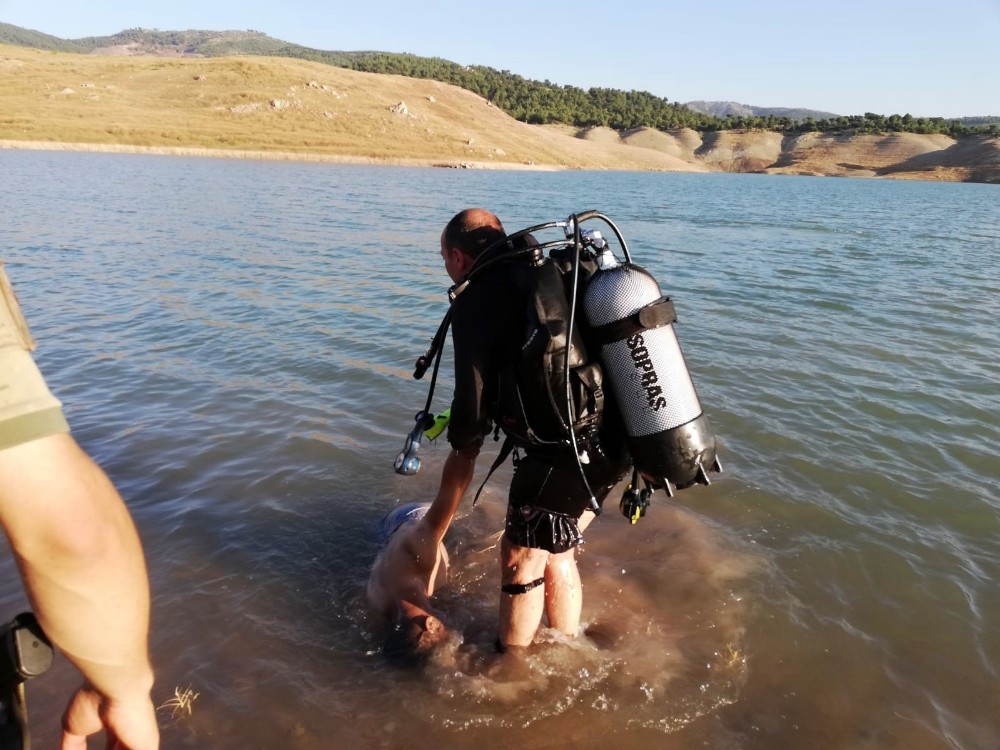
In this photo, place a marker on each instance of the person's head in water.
(465, 237)
(412, 639)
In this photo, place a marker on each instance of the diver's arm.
(456, 476)
(83, 568)
(470, 420)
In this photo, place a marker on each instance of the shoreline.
(934, 173)
(262, 155)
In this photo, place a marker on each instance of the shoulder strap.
(505, 450)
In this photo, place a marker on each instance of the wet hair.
(400, 651)
(473, 230)
(410, 641)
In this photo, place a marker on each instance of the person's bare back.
(411, 566)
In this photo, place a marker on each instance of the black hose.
(436, 350)
(592, 501)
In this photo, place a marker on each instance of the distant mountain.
(190, 43)
(36, 39)
(974, 122)
(726, 109)
(735, 109)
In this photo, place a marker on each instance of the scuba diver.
(579, 398)
(550, 504)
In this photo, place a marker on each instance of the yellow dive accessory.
(440, 422)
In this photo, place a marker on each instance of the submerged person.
(411, 566)
(548, 504)
(77, 550)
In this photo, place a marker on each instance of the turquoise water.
(234, 342)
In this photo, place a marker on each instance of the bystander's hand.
(130, 724)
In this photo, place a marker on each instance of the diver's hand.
(130, 724)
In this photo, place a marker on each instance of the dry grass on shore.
(278, 106)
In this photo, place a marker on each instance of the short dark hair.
(400, 649)
(473, 230)
(411, 640)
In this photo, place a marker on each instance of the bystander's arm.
(83, 567)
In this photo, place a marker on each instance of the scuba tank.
(632, 322)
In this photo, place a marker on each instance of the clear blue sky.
(922, 57)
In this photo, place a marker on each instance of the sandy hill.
(260, 107)
(278, 105)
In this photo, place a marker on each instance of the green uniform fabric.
(28, 410)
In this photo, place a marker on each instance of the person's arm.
(474, 337)
(456, 476)
(83, 568)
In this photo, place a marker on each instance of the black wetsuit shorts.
(548, 497)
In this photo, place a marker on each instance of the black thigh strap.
(521, 588)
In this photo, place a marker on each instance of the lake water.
(234, 341)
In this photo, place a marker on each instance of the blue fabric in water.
(399, 515)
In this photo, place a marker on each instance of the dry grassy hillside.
(278, 105)
(816, 152)
(741, 152)
(681, 143)
(281, 108)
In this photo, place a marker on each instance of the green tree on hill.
(542, 102)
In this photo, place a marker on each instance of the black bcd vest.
(531, 407)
